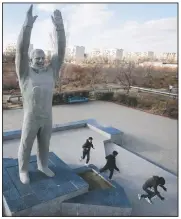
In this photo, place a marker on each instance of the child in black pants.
(111, 164)
(86, 149)
(152, 183)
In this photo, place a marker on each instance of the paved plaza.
(134, 171)
(151, 136)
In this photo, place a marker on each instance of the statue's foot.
(24, 177)
(46, 171)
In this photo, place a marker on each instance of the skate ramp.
(105, 197)
(134, 171)
(94, 180)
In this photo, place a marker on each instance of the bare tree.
(105, 80)
(149, 75)
(9, 56)
(124, 75)
(95, 75)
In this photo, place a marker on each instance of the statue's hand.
(30, 19)
(57, 19)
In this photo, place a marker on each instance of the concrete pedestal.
(44, 195)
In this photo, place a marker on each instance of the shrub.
(57, 99)
(104, 95)
(132, 101)
(146, 102)
(9, 87)
(173, 112)
(172, 109)
(158, 107)
(84, 94)
(121, 98)
(126, 99)
(65, 96)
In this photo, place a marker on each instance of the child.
(86, 149)
(111, 164)
(152, 183)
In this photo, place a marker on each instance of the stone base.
(42, 197)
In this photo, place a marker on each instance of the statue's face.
(38, 58)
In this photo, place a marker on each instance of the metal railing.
(139, 89)
(155, 91)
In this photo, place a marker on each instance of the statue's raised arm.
(60, 43)
(22, 59)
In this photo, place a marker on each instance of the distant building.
(116, 54)
(139, 55)
(105, 53)
(75, 54)
(109, 53)
(70, 53)
(150, 55)
(170, 56)
(119, 54)
(79, 52)
(96, 52)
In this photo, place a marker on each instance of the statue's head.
(37, 58)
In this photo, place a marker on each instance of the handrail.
(154, 91)
(139, 89)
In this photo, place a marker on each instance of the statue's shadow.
(36, 175)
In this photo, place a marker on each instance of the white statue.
(37, 82)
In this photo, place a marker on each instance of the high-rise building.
(119, 54)
(170, 56)
(96, 52)
(109, 53)
(106, 53)
(150, 54)
(79, 52)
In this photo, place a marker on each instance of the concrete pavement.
(152, 136)
(133, 170)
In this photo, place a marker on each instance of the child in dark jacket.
(152, 183)
(86, 149)
(111, 164)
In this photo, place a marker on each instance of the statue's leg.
(43, 138)
(29, 132)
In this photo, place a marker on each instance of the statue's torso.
(37, 92)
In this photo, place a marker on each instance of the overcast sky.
(132, 27)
